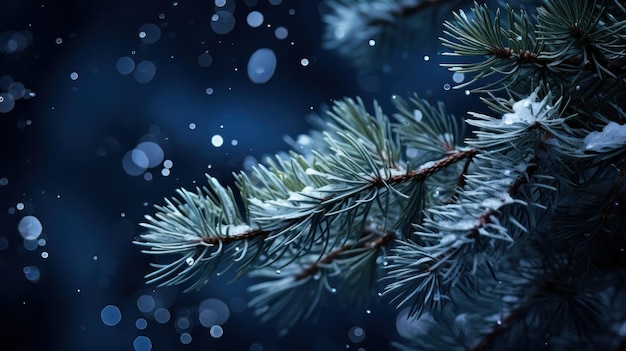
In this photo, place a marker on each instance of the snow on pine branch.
(612, 136)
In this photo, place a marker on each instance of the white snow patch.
(235, 229)
(611, 137)
(527, 111)
(495, 203)
(465, 224)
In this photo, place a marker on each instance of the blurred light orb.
(205, 60)
(17, 90)
(216, 331)
(356, 334)
(255, 19)
(213, 312)
(141, 323)
(162, 315)
(139, 158)
(129, 163)
(154, 153)
(29, 227)
(32, 273)
(217, 140)
(142, 343)
(145, 71)
(145, 303)
(12, 42)
(125, 65)
(410, 327)
(7, 102)
(149, 33)
(261, 65)
(111, 315)
(458, 77)
(281, 33)
(222, 22)
(185, 338)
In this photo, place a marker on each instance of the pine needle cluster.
(511, 238)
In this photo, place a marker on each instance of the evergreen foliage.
(512, 238)
(375, 32)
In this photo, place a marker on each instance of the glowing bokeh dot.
(153, 152)
(162, 315)
(222, 22)
(145, 303)
(216, 331)
(185, 338)
(111, 315)
(32, 273)
(149, 33)
(141, 323)
(73, 76)
(356, 334)
(7, 102)
(29, 227)
(205, 60)
(255, 19)
(145, 155)
(145, 71)
(281, 33)
(217, 140)
(142, 343)
(213, 312)
(261, 65)
(125, 65)
(458, 77)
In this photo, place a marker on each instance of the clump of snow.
(497, 202)
(463, 224)
(527, 111)
(611, 137)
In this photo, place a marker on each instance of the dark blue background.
(61, 152)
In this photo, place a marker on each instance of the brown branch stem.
(227, 239)
(372, 245)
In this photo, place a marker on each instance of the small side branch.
(249, 235)
(372, 245)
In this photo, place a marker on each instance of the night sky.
(85, 87)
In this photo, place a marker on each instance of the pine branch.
(296, 293)
(292, 205)
(571, 43)
(515, 229)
